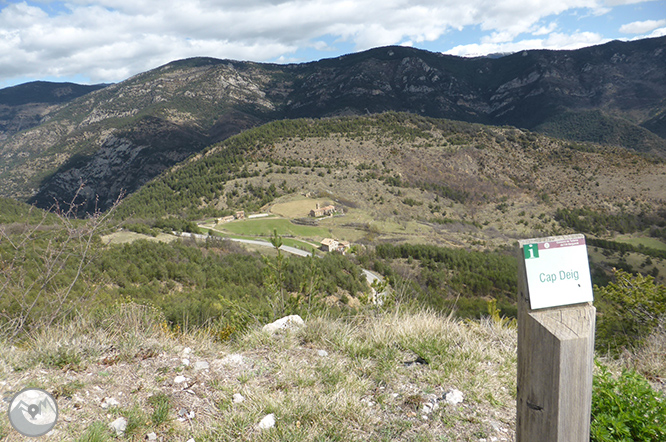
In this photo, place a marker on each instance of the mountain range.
(115, 138)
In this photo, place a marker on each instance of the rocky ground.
(386, 377)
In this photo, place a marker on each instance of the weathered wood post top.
(555, 340)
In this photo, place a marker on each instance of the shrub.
(626, 409)
(631, 308)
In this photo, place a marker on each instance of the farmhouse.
(226, 219)
(329, 245)
(333, 245)
(240, 214)
(322, 211)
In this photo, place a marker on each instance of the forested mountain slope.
(123, 135)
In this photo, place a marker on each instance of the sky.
(107, 41)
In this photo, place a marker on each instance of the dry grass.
(364, 378)
(299, 207)
(125, 236)
(649, 360)
(366, 387)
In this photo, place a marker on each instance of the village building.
(240, 214)
(322, 211)
(225, 219)
(329, 245)
(333, 245)
(343, 246)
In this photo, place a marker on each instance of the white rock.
(454, 397)
(180, 379)
(119, 426)
(267, 422)
(186, 352)
(201, 365)
(238, 398)
(234, 359)
(185, 415)
(151, 436)
(190, 440)
(322, 353)
(186, 362)
(109, 402)
(288, 322)
(429, 407)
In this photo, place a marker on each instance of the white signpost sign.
(558, 272)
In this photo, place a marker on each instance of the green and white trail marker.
(558, 272)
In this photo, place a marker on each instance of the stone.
(185, 362)
(322, 353)
(238, 398)
(108, 402)
(429, 407)
(288, 322)
(233, 359)
(185, 415)
(201, 365)
(267, 422)
(151, 436)
(119, 426)
(180, 379)
(454, 397)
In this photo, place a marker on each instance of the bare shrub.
(44, 273)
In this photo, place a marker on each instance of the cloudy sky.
(95, 41)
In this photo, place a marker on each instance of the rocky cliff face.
(123, 135)
(25, 106)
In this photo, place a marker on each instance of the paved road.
(257, 242)
(372, 276)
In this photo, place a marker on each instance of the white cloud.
(544, 30)
(553, 41)
(642, 27)
(108, 40)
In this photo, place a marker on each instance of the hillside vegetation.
(118, 138)
(169, 327)
(405, 178)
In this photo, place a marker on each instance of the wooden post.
(555, 355)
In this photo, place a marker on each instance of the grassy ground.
(266, 226)
(299, 207)
(373, 377)
(635, 240)
(331, 380)
(637, 261)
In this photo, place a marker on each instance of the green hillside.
(596, 127)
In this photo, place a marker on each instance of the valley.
(131, 215)
(399, 178)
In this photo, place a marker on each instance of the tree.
(275, 277)
(44, 273)
(632, 307)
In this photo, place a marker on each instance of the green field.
(652, 243)
(265, 227)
